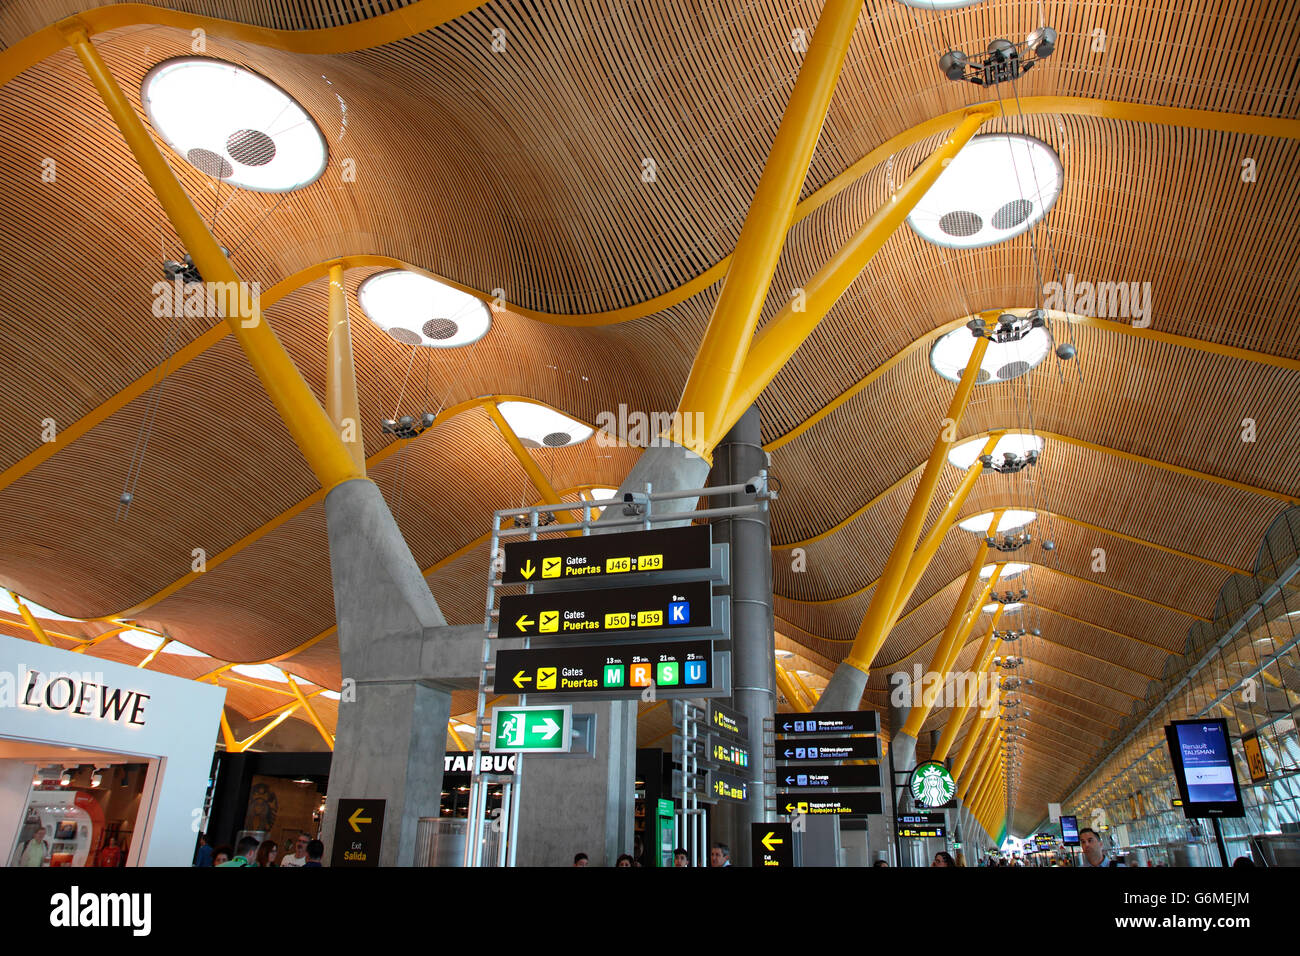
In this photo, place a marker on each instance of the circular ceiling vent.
(234, 125)
(557, 439)
(997, 187)
(439, 329)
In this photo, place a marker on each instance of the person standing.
(1094, 851)
(203, 857)
(299, 855)
(720, 855)
(315, 850)
(35, 852)
(246, 853)
(267, 852)
(111, 854)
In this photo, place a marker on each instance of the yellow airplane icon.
(549, 621)
(551, 567)
(546, 678)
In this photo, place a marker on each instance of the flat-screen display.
(1070, 830)
(1201, 752)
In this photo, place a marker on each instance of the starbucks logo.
(932, 785)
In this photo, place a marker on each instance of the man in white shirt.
(299, 855)
(1094, 851)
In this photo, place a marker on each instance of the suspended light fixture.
(415, 309)
(234, 125)
(1019, 445)
(1003, 360)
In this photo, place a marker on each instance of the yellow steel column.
(782, 336)
(153, 653)
(306, 421)
(33, 625)
(231, 746)
(929, 545)
(872, 632)
(311, 711)
(528, 463)
(980, 780)
(975, 735)
(727, 339)
(954, 635)
(958, 715)
(787, 688)
(969, 781)
(807, 691)
(451, 731)
(245, 744)
(340, 372)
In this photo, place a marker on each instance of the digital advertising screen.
(1201, 752)
(1070, 831)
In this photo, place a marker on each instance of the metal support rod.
(845, 689)
(790, 328)
(310, 710)
(340, 371)
(721, 354)
(787, 688)
(153, 653)
(32, 624)
(528, 463)
(302, 414)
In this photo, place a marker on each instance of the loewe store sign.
(77, 695)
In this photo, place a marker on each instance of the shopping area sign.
(830, 722)
(613, 671)
(602, 555)
(608, 611)
(526, 730)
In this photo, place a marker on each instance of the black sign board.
(728, 721)
(841, 804)
(830, 722)
(928, 820)
(723, 786)
(772, 844)
(921, 832)
(848, 748)
(853, 776)
(358, 833)
(608, 671)
(610, 611)
(601, 555)
(502, 765)
(721, 751)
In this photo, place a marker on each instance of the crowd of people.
(719, 856)
(250, 851)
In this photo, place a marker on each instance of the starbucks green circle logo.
(932, 785)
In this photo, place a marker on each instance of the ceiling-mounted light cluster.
(1009, 542)
(415, 309)
(997, 187)
(1002, 361)
(1001, 61)
(234, 125)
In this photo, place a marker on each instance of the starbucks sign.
(932, 785)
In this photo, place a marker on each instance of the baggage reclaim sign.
(834, 804)
(600, 555)
(613, 671)
(609, 611)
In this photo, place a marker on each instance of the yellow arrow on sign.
(358, 818)
(520, 679)
(528, 570)
(789, 808)
(771, 842)
(523, 622)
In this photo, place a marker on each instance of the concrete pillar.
(739, 457)
(844, 690)
(390, 740)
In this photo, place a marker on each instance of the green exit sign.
(524, 730)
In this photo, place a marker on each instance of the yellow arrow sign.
(520, 679)
(771, 842)
(358, 818)
(528, 570)
(523, 622)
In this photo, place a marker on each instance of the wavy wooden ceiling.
(521, 170)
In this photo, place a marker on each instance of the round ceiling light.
(1002, 361)
(540, 427)
(1019, 444)
(997, 187)
(149, 642)
(417, 310)
(1012, 520)
(234, 125)
(1009, 570)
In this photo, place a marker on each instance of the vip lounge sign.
(932, 785)
(79, 696)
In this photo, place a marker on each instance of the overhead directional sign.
(358, 832)
(608, 671)
(728, 721)
(772, 844)
(857, 803)
(622, 611)
(853, 776)
(723, 786)
(848, 748)
(527, 730)
(723, 753)
(600, 555)
(830, 722)
(921, 825)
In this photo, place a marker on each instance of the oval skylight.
(417, 310)
(1002, 361)
(1012, 520)
(1009, 570)
(997, 187)
(7, 603)
(234, 125)
(267, 672)
(1017, 443)
(602, 494)
(540, 427)
(148, 642)
(991, 608)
